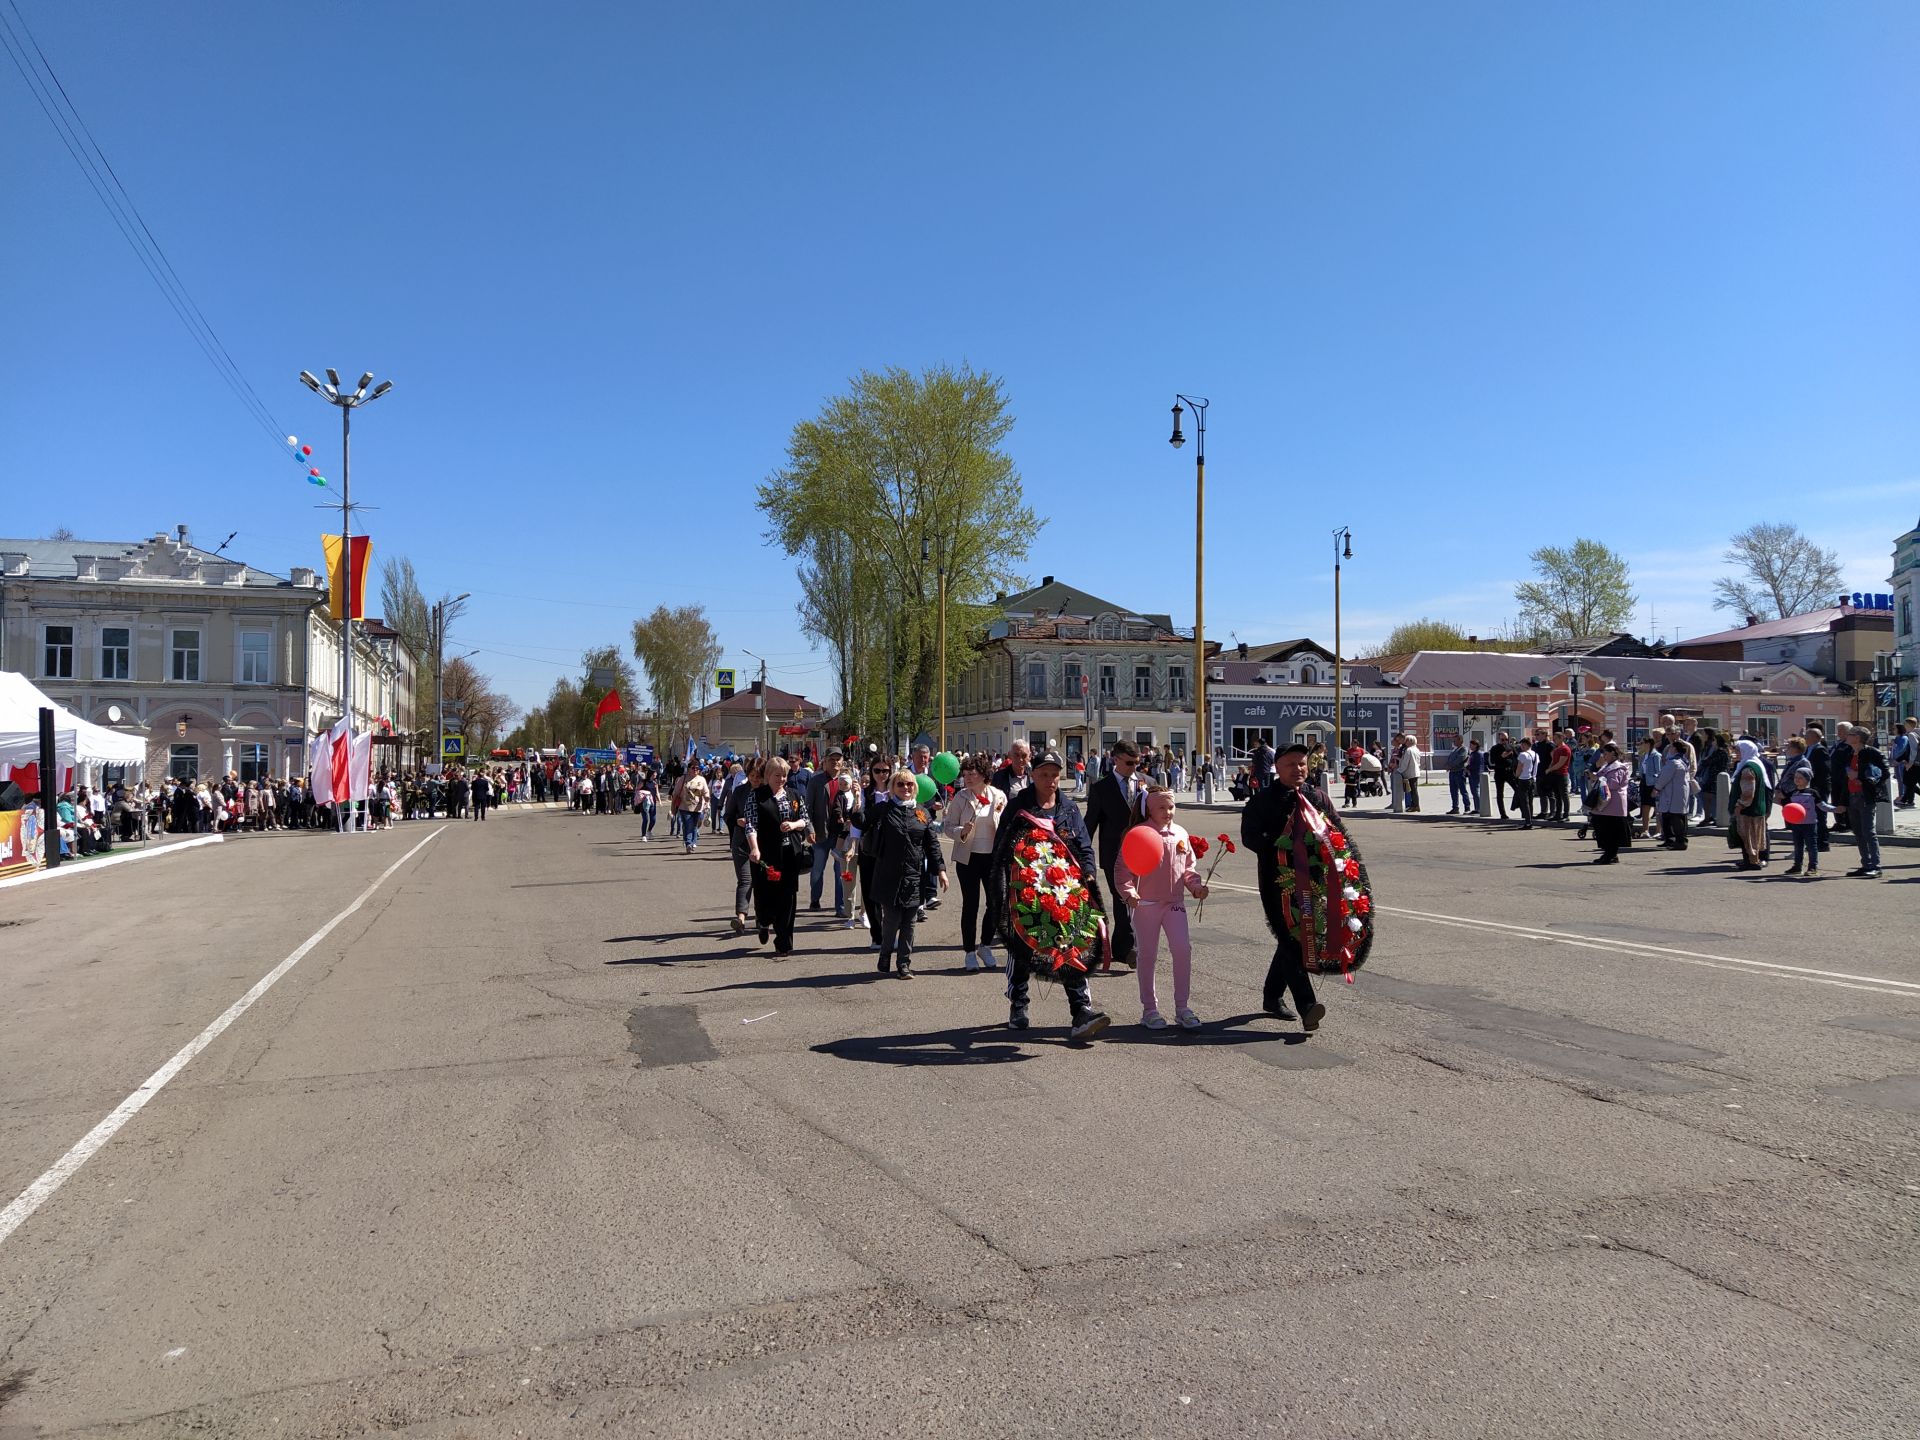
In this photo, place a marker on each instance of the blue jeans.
(1459, 795)
(1806, 846)
(823, 856)
(690, 827)
(1860, 813)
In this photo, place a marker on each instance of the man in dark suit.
(1820, 757)
(1113, 808)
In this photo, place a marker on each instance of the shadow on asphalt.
(995, 1044)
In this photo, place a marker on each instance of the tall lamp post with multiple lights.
(940, 681)
(1202, 740)
(334, 393)
(1342, 549)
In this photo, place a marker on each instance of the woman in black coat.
(781, 845)
(905, 852)
(872, 799)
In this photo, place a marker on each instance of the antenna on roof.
(224, 543)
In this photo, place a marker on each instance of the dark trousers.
(1500, 784)
(1523, 802)
(1288, 972)
(873, 911)
(1020, 968)
(973, 872)
(1611, 833)
(1121, 919)
(1860, 813)
(1673, 829)
(896, 934)
(1410, 792)
(743, 896)
(775, 901)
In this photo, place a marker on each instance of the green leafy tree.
(899, 478)
(677, 649)
(1580, 591)
(1423, 634)
(1782, 573)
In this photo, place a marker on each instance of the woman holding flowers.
(1048, 896)
(779, 844)
(1158, 901)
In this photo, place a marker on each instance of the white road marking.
(1839, 979)
(87, 867)
(768, 1016)
(41, 1190)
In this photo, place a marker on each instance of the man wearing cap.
(1263, 825)
(1044, 800)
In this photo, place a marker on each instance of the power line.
(70, 127)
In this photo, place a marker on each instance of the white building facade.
(219, 666)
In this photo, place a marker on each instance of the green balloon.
(946, 767)
(926, 787)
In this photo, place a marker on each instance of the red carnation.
(1199, 848)
(773, 874)
(1055, 874)
(1073, 871)
(1027, 895)
(1363, 905)
(1353, 869)
(1231, 847)
(1336, 839)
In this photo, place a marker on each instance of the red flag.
(609, 703)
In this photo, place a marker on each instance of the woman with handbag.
(972, 818)
(781, 845)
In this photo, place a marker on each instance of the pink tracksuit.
(1160, 897)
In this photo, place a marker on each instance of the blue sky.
(1470, 278)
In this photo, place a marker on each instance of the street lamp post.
(1342, 549)
(1202, 741)
(334, 393)
(440, 608)
(1575, 671)
(940, 681)
(1633, 705)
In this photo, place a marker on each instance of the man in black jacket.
(1113, 808)
(1263, 824)
(1500, 758)
(1820, 757)
(1045, 799)
(827, 832)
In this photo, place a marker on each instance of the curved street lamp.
(1202, 739)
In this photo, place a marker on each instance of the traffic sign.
(723, 679)
(452, 747)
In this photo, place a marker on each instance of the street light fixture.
(1576, 671)
(440, 609)
(347, 405)
(1633, 705)
(1342, 550)
(1201, 742)
(940, 683)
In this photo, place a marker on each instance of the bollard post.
(1482, 798)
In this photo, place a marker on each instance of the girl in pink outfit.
(1158, 901)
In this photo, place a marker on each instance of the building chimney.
(1473, 639)
(1046, 579)
(1753, 619)
(181, 530)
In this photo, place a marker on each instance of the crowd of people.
(1658, 787)
(878, 841)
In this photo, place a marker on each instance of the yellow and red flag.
(347, 583)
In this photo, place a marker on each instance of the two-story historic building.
(218, 665)
(1068, 670)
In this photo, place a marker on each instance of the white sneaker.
(988, 960)
(973, 960)
(1188, 1020)
(855, 922)
(1153, 1020)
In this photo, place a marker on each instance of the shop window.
(1764, 728)
(183, 762)
(1243, 739)
(1444, 732)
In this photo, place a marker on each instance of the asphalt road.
(530, 1144)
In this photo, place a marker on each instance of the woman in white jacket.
(972, 818)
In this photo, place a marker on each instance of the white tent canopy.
(75, 741)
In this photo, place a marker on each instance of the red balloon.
(1142, 849)
(1793, 814)
(306, 449)
(313, 472)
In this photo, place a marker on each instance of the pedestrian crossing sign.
(452, 747)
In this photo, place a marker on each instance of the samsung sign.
(1860, 601)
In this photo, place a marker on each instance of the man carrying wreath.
(1312, 886)
(1043, 838)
